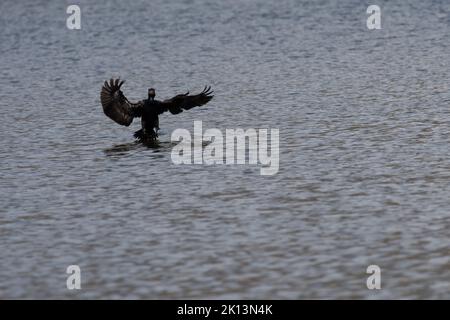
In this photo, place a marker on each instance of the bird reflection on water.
(126, 148)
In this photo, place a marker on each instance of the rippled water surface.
(364, 120)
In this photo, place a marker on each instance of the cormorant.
(117, 107)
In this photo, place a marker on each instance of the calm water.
(364, 119)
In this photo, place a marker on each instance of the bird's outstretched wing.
(182, 102)
(116, 106)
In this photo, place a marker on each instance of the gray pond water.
(364, 177)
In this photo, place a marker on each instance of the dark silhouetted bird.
(117, 107)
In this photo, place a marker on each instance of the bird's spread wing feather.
(116, 106)
(185, 101)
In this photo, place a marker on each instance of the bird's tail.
(139, 134)
(148, 135)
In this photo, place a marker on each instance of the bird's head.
(151, 93)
